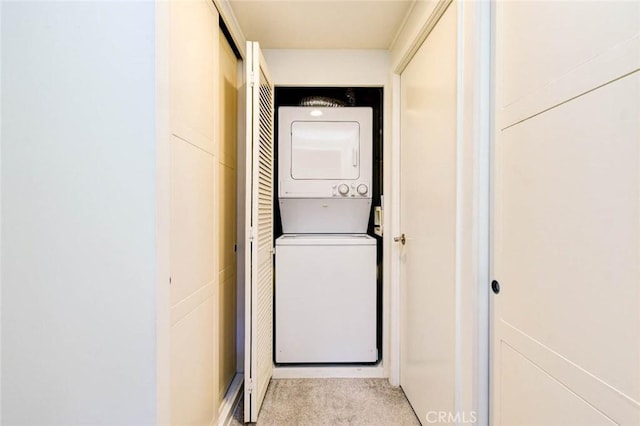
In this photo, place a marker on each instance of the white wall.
(78, 213)
(163, 239)
(1, 212)
(292, 67)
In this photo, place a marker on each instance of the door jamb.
(393, 225)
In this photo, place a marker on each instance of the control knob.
(362, 189)
(343, 189)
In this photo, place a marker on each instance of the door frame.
(301, 68)
(474, 142)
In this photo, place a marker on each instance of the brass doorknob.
(401, 239)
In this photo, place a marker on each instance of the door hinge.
(252, 79)
(250, 233)
(250, 386)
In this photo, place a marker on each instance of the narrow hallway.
(320, 212)
(332, 402)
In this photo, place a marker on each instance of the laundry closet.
(321, 311)
(328, 257)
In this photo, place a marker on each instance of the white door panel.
(192, 213)
(576, 223)
(566, 233)
(567, 241)
(259, 234)
(543, 41)
(522, 379)
(551, 52)
(428, 212)
(193, 51)
(193, 395)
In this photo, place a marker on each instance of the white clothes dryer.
(324, 169)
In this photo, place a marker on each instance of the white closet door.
(428, 218)
(193, 36)
(566, 227)
(259, 235)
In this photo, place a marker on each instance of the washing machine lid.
(325, 240)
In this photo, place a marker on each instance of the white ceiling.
(324, 24)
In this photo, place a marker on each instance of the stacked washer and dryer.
(325, 290)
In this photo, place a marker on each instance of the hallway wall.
(324, 67)
(79, 213)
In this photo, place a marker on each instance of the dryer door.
(325, 150)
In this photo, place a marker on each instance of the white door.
(193, 35)
(428, 219)
(566, 214)
(259, 233)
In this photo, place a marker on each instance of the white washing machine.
(325, 299)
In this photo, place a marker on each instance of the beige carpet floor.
(311, 402)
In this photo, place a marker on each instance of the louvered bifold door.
(259, 244)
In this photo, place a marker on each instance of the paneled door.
(428, 221)
(193, 52)
(259, 232)
(566, 214)
(227, 214)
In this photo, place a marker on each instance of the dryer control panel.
(351, 190)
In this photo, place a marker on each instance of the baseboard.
(328, 372)
(231, 399)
